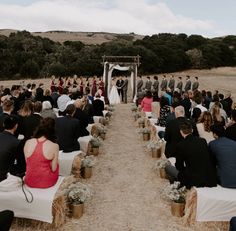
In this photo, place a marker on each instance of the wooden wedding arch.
(123, 63)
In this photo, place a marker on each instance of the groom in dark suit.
(125, 88)
(119, 84)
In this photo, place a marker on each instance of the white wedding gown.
(114, 97)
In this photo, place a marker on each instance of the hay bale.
(59, 211)
(189, 218)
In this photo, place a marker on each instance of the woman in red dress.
(53, 84)
(41, 154)
(60, 85)
(81, 86)
(94, 86)
(101, 86)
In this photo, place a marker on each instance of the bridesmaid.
(101, 86)
(94, 86)
(60, 85)
(53, 84)
(81, 86)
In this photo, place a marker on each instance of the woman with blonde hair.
(203, 126)
(216, 115)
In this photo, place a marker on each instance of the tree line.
(23, 55)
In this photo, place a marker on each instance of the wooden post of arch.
(106, 82)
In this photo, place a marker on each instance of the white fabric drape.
(118, 67)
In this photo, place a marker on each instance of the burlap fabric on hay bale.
(189, 218)
(59, 210)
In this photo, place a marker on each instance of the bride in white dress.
(114, 97)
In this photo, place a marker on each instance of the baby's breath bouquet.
(88, 161)
(162, 163)
(176, 193)
(95, 142)
(78, 193)
(134, 108)
(153, 144)
(101, 129)
(145, 130)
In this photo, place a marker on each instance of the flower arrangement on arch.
(175, 192)
(78, 193)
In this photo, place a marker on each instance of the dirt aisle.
(126, 188)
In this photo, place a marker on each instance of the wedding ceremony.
(117, 115)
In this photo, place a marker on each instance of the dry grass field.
(222, 79)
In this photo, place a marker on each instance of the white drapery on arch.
(120, 68)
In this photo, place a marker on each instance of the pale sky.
(210, 18)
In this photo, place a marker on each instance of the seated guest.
(82, 117)
(88, 108)
(194, 166)
(9, 146)
(68, 130)
(172, 132)
(6, 218)
(41, 154)
(164, 111)
(62, 101)
(232, 224)
(223, 150)
(7, 108)
(231, 129)
(98, 106)
(204, 126)
(47, 96)
(47, 110)
(216, 115)
(146, 103)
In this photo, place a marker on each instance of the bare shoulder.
(52, 145)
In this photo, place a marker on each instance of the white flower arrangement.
(101, 128)
(78, 193)
(176, 193)
(95, 142)
(162, 163)
(153, 144)
(88, 161)
(141, 120)
(145, 130)
(134, 108)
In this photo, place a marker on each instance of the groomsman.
(155, 85)
(119, 84)
(139, 84)
(195, 84)
(171, 84)
(163, 83)
(180, 85)
(148, 84)
(188, 84)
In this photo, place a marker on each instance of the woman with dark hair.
(164, 111)
(41, 154)
(146, 103)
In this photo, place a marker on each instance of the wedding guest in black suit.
(98, 105)
(172, 132)
(68, 130)
(6, 218)
(9, 146)
(81, 116)
(231, 129)
(7, 107)
(194, 166)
